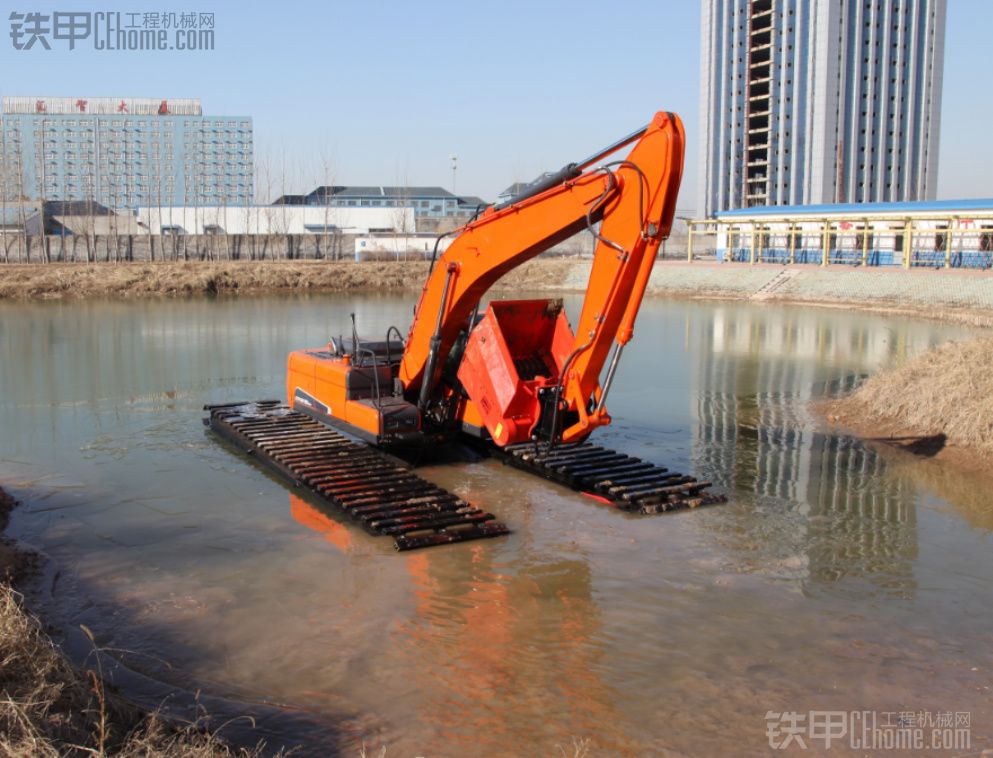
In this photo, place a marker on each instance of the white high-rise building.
(819, 101)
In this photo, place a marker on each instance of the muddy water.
(839, 577)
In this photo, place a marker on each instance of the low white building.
(21, 218)
(399, 246)
(273, 219)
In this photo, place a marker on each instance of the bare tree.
(12, 192)
(40, 192)
(283, 219)
(63, 195)
(328, 237)
(200, 184)
(266, 187)
(244, 240)
(8, 192)
(4, 191)
(41, 181)
(401, 217)
(159, 155)
(225, 199)
(132, 191)
(88, 220)
(24, 245)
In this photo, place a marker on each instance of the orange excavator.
(518, 372)
(514, 377)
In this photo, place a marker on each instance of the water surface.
(840, 576)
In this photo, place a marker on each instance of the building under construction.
(819, 101)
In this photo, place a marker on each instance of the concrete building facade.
(819, 101)
(124, 152)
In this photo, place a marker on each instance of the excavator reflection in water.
(468, 635)
(334, 532)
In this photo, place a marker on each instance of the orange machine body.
(519, 372)
(355, 398)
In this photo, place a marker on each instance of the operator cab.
(351, 384)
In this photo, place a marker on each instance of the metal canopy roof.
(930, 207)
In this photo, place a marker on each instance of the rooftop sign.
(102, 106)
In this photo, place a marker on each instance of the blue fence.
(838, 256)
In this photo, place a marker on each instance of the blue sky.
(384, 92)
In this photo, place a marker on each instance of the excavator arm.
(633, 200)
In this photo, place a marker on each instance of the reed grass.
(945, 391)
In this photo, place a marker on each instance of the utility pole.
(455, 164)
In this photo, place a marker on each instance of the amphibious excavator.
(513, 377)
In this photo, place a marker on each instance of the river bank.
(136, 280)
(956, 296)
(935, 405)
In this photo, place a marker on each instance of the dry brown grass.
(127, 280)
(947, 390)
(49, 708)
